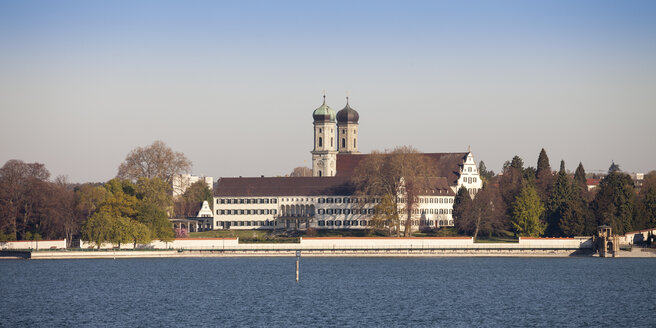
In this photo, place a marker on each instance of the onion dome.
(324, 113)
(348, 114)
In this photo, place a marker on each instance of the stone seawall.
(118, 254)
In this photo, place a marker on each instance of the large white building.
(327, 200)
(181, 182)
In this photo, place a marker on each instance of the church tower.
(347, 130)
(324, 154)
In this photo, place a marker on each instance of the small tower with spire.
(324, 153)
(347, 129)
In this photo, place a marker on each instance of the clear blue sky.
(233, 84)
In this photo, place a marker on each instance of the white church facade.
(327, 200)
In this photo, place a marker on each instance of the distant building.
(327, 200)
(182, 182)
(592, 183)
(638, 179)
(205, 211)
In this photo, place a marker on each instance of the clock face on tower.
(320, 163)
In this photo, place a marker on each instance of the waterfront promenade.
(332, 247)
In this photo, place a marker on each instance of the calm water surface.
(388, 292)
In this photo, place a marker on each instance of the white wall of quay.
(368, 243)
(577, 242)
(363, 243)
(31, 244)
(185, 243)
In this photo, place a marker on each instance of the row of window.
(470, 179)
(227, 224)
(373, 211)
(432, 200)
(345, 211)
(246, 212)
(428, 211)
(434, 211)
(331, 200)
(246, 201)
(338, 223)
(362, 223)
(329, 223)
(330, 211)
(346, 200)
(438, 200)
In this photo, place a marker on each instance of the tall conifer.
(544, 176)
(579, 176)
(559, 201)
(614, 203)
(461, 205)
(543, 164)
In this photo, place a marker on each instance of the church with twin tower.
(328, 199)
(334, 133)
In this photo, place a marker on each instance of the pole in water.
(298, 257)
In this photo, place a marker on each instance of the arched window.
(331, 141)
(343, 143)
(319, 173)
(355, 144)
(320, 142)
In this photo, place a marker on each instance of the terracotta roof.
(448, 164)
(283, 186)
(592, 182)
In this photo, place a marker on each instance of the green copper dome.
(324, 113)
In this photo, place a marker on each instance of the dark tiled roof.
(437, 187)
(447, 164)
(283, 186)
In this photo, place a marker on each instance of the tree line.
(537, 201)
(134, 207)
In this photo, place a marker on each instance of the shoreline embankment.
(327, 247)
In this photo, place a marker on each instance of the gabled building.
(328, 199)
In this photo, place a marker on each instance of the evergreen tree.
(559, 202)
(543, 175)
(529, 175)
(573, 219)
(483, 172)
(648, 198)
(510, 183)
(579, 177)
(582, 198)
(614, 203)
(527, 211)
(462, 204)
(517, 163)
(543, 164)
(614, 168)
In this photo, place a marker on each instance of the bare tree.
(19, 182)
(301, 171)
(155, 161)
(402, 173)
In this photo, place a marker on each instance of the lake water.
(375, 292)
